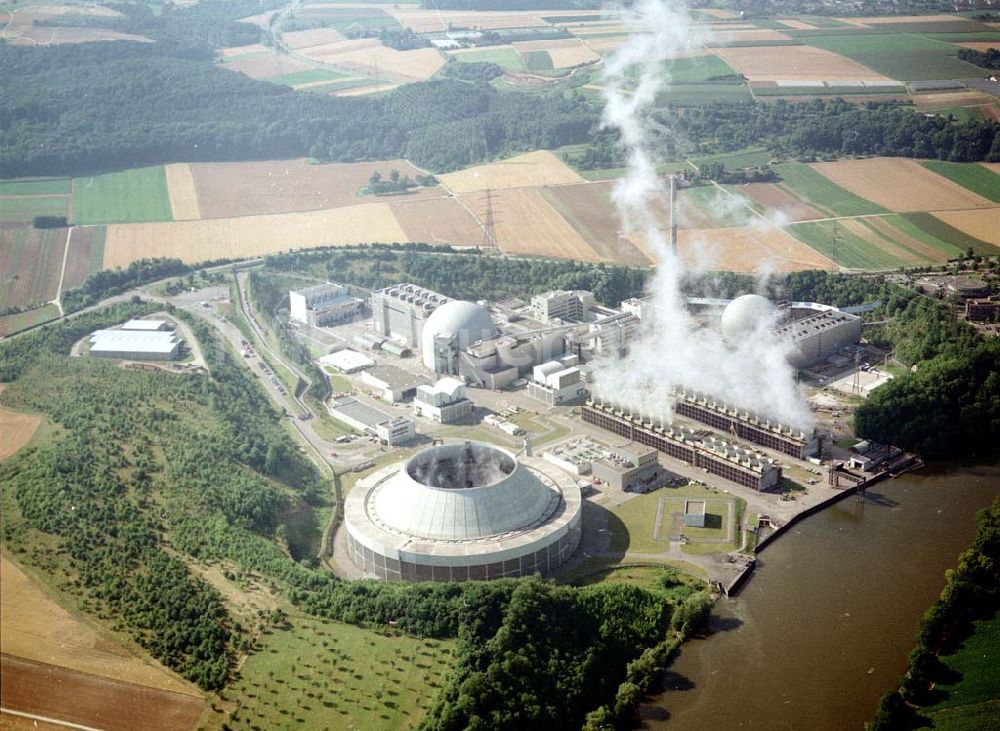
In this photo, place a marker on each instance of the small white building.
(392, 383)
(389, 429)
(508, 427)
(445, 402)
(554, 384)
(347, 361)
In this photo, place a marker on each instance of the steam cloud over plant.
(752, 372)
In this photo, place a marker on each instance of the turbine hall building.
(717, 456)
(399, 311)
(462, 511)
(322, 304)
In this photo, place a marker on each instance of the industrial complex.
(136, 340)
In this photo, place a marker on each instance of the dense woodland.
(972, 592)
(988, 59)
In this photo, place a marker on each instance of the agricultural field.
(265, 65)
(977, 178)
(562, 54)
(427, 21)
(697, 69)
(818, 191)
(305, 79)
(437, 221)
(35, 186)
(234, 238)
(747, 249)
(312, 37)
(232, 189)
(851, 244)
(85, 255)
(526, 223)
(793, 63)
(696, 95)
(17, 430)
(589, 210)
(367, 56)
(899, 56)
(30, 262)
(773, 198)
(533, 169)
(977, 227)
(133, 195)
(10, 324)
(26, 207)
(20, 27)
(320, 674)
(182, 192)
(504, 56)
(899, 185)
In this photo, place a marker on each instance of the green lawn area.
(505, 57)
(973, 176)
(804, 182)
(10, 324)
(306, 77)
(738, 159)
(320, 674)
(937, 228)
(694, 95)
(720, 208)
(900, 56)
(613, 173)
(973, 701)
(128, 196)
(698, 69)
(981, 37)
(537, 61)
(35, 186)
(25, 209)
(849, 251)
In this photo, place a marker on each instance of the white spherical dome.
(469, 321)
(744, 315)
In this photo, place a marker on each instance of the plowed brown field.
(526, 223)
(771, 196)
(230, 189)
(795, 63)
(81, 254)
(30, 262)
(900, 185)
(235, 238)
(589, 211)
(89, 700)
(924, 252)
(522, 171)
(437, 221)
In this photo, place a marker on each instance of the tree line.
(988, 59)
(971, 592)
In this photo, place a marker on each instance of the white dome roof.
(469, 321)
(744, 315)
(457, 492)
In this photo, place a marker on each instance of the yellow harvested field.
(983, 224)
(244, 50)
(994, 166)
(182, 191)
(426, 21)
(747, 250)
(719, 13)
(795, 63)
(19, 26)
(235, 238)
(362, 90)
(899, 184)
(532, 169)
(35, 627)
(437, 221)
(564, 53)
(16, 430)
(725, 37)
(979, 45)
(605, 44)
(368, 56)
(526, 223)
(265, 65)
(796, 24)
(312, 37)
(946, 100)
(586, 29)
(911, 19)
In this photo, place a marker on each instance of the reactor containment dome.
(453, 326)
(744, 316)
(462, 511)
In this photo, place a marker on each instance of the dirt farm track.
(59, 693)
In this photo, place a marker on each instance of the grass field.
(698, 69)
(307, 77)
(10, 324)
(904, 224)
(973, 701)
(843, 246)
(696, 95)
(320, 674)
(979, 230)
(506, 57)
(804, 182)
(737, 159)
(937, 228)
(900, 56)
(35, 186)
(129, 196)
(975, 177)
(537, 61)
(26, 208)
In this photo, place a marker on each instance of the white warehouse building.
(135, 344)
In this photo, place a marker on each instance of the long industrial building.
(818, 331)
(322, 304)
(135, 344)
(746, 425)
(718, 456)
(462, 511)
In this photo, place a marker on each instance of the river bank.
(824, 627)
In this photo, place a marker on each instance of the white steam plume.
(672, 351)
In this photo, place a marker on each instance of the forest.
(988, 59)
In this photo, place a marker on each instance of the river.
(823, 627)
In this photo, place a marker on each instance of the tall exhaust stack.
(673, 213)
